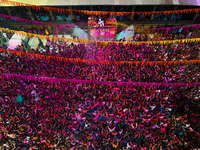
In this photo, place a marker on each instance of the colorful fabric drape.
(86, 12)
(39, 56)
(65, 81)
(96, 42)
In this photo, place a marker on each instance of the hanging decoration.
(66, 81)
(103, 43)
(39, 56)
(85, 12)
(73, 25)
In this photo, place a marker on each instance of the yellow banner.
(105, 43)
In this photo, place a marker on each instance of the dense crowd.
(163, 34)
(39, 114)
(90, 116)
(149, 52)
(120, 52)
(171, 73)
